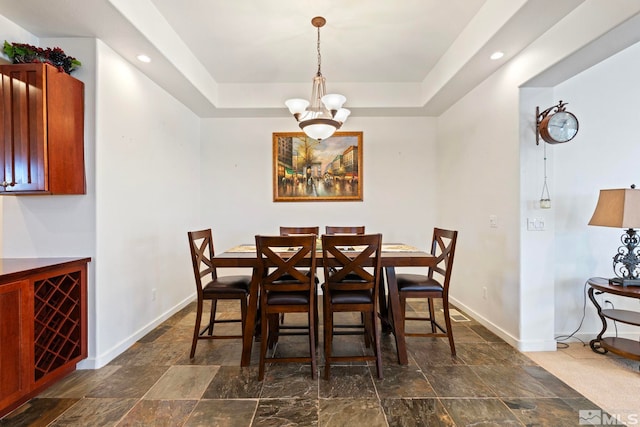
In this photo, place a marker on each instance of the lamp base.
(618, 281)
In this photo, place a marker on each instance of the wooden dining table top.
(393, 255)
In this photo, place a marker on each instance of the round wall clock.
(558, 126)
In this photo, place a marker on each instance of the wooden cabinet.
(42, 133)
(14, 341)
(43, 324)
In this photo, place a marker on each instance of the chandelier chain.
(319, 56)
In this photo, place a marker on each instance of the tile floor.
(154, 383)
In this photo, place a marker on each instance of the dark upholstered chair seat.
(287, 298)
(417, 282)
(228, 284)
(351, 297)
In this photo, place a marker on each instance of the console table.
(620, 346)
(43, 324)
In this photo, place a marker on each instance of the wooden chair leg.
(376, 341)
(212, 315)
(447, 320)
(432, 316)
(313, 338)
(196, 330)
(328, 336)
(263, 343)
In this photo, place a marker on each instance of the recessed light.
(143, 58)
(496, 55)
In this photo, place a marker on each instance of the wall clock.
(556, 127)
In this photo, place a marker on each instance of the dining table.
(393, 255)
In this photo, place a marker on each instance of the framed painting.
(306, 170)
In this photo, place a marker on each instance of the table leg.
(595, 343)
(250, 323)
(394, 316)
(383, 306)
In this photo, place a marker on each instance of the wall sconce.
(555, 127)
(621, 208)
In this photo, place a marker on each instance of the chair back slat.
(351, 262)
(202, 251)
(281, 258)
(349, 229)
(443, 247)
(293, 231)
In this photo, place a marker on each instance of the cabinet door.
(23, 142)
(16, 344)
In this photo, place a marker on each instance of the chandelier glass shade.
(321, 117)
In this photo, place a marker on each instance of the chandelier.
(321, 117)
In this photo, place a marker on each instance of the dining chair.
(339, 229)
(287, 288)
(352, 277)
(210, 286)
(433, 285)
(291, 231)
(294, 231)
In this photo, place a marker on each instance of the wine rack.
(57, 329)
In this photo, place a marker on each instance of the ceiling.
(234, 58)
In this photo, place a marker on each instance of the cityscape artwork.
(306, 170)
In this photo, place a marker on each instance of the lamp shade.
(618, 208)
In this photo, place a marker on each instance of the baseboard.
(542, 345)
(106, 357)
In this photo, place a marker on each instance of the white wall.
(399, 181)
(604, 154)
(148, 195)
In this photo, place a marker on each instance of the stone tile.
(286, 413)
(354, 412)
(416, 412)
(234, 382)
(401, 381)
(480, 412)
(457, 381)
(165, 413)
(227, 413)
(429, 352)
(158, 353)
(348, 382)
(183, 382)
(95, 412)
(486, 334)
(155, 334)
(479, 353)
(512, 381)
(37, 412)
(551, 383)
(289, 381)
(543, 412)
(129, 382)
(79, 383)
(215, 352)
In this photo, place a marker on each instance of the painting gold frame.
(307, 170)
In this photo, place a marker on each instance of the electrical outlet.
(484, 292)
(493, 221)
(154, 294)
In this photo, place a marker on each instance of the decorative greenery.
(22, 53)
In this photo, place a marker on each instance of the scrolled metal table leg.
(595, 343)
